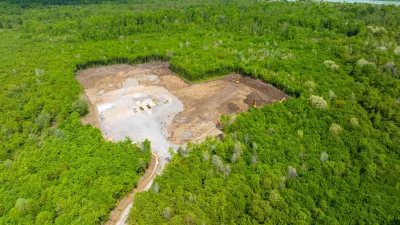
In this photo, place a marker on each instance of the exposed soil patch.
(203, 103)
(150, 101)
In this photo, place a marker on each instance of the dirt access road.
(120, 213)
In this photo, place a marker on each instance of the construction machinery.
(254, 104)
(237, 79)
(281, 101)
(148, 106)
(155, 101)
(141, 108)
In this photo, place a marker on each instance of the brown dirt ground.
(204, 102)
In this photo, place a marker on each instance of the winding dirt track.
(120, 213)
(203, 103)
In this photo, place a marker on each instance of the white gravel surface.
(121, 116)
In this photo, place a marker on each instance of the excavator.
(254, 104)
(237, 79)
(281, 101)
(273, 101)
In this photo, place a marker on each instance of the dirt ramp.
(257, 99)
(262, 93)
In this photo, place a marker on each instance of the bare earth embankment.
(150, 101)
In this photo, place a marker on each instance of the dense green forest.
(329, 155)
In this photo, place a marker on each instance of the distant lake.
(366, 1)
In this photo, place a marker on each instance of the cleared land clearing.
(154, 83)
(150, 101)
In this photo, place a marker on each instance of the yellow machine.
(254, 104)
(237, 80)
(281, 101)
(155, 101)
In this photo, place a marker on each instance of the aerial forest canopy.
(328, 155)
